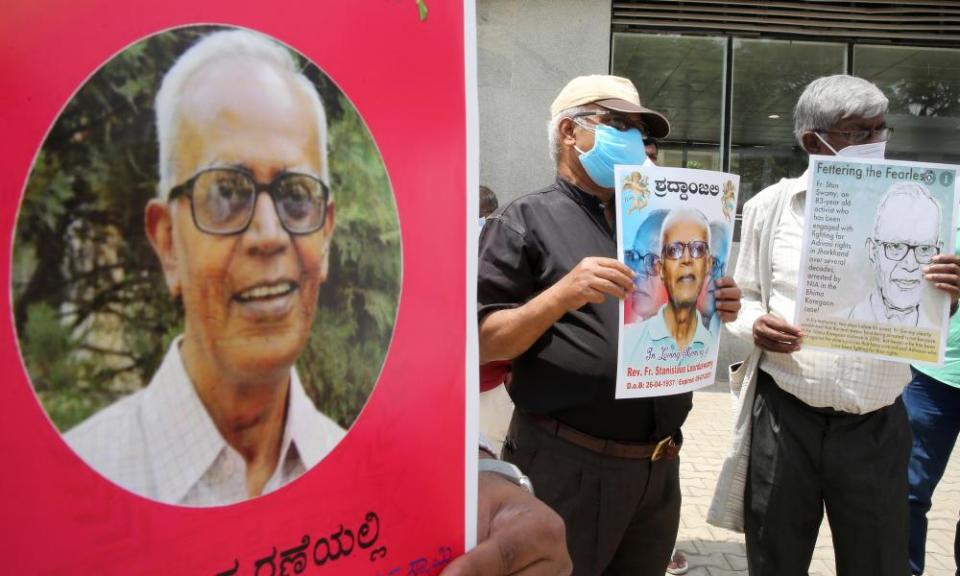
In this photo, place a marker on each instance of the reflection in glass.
(764, 149)
(682, 77)
(923, 85)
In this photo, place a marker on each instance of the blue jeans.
(934, 412)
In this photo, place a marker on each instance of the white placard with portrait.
(674, 230)
(870, 229)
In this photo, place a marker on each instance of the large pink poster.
(234, 267)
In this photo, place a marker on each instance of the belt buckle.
(659, 451)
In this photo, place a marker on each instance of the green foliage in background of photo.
(93, 314)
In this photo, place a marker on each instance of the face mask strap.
(827, 144)
(576, 120)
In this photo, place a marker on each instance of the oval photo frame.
(99, 331)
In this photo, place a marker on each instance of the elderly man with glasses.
(815, 429)
(548, 292)
(720, 237)
(906, 237)
(242, 226)
(677, 334)
(645, 299)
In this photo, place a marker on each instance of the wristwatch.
(487, 447)
(507, 470)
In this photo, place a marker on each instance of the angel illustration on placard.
(637, 185)
(729, 200)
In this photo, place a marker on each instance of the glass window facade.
(923, 85)
(682, 77)
(768, 77)
(741, 118)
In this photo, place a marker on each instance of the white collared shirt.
(651, 341)
(161, 443)
(873, 309)
(849, 383)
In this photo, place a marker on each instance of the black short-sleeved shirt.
(570, 371)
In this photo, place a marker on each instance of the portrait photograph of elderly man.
(720, 238)
(677, 332)
(644, 258)
(206, 267)
(904, 239)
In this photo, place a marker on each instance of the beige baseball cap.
(613, 93)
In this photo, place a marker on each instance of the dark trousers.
(803, 459)
(621, 514)
(934, 412)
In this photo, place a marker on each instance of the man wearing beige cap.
(548, 289)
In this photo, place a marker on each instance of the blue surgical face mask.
(611, 147)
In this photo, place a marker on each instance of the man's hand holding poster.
(675, 229)
(871, 229)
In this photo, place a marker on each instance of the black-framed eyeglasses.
(698, 249)
(861, 136)
(641, 263)
(897, 251)
(223, 200)
(615, 120)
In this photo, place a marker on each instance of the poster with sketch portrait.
(674, 230)
(211, 215)
(870, 229)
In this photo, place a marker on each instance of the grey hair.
(719, 238)
(912, 190)
(488, 200)
(553, 142)
(219, 46)
(829, 99)
(684, 215)
(650, 230)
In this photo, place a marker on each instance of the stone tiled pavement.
(716, 552)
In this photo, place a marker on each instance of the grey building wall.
(527, 51)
